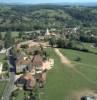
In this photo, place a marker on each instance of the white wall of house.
(1, 66)
(20, 68)
(3, 51)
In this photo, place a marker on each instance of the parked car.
(88, 98)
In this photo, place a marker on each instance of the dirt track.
(68, 63)
(64, 59)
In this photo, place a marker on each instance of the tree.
(20, 35)
(1, 44)
(52, 41)
(0, 36)
(61, 43)
(78, 59)
(35, 95)
(8, 40)
(24, 46)
(1, 47)
(5, 66)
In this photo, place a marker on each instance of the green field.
(63, 82)
(2, 87)
(86, 58)
(20, 95)
(14, 34)
(2, 83)
(89, 47)
(2, 57)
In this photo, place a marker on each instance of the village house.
(35, 68)
(37, 63)
(22, 64)
(35, 71)
(26, 81)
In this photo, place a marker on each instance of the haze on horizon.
(46, 1)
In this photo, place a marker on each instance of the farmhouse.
(35, 68)
(37, 63)
(26, 64)
(26, 81)
(22, 65)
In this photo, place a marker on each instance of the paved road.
(10, 85)
(1, 80)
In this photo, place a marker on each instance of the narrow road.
(9, 88)
(10, 85)
(68, 63)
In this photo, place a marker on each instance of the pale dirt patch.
(18, 76)
(64, 59)
(44, 76)
(31, 43)
(48, 64)
(85, 92)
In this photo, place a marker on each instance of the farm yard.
(90, 47)
(14, 34)
(65, 83)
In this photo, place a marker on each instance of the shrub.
(5, 66)
(78, 59)
(24, 46)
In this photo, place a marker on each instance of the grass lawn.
(2, 87)
(2, 57)
(14, 34)
(89, 47)
(86, 58)
(62, 81)
(20, 95)
(87, 65)
(2, 84)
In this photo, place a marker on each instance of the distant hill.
(79, 4)
(29, 17)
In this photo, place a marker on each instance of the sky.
(45, 1)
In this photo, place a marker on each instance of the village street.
(10, 83)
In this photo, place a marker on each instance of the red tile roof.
(37, 60)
